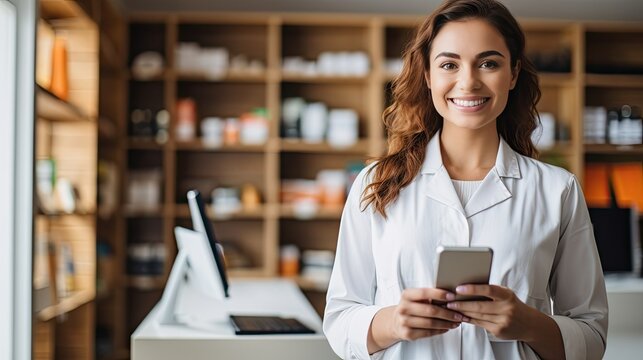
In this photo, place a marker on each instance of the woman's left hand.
(505, 316)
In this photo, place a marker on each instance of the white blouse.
(465, 189)
(531, 214)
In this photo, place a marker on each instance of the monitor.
(202, 224)
(199, 264)
(194, 266)
(617, 239)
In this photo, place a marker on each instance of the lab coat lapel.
(493, 190)
(439, 186)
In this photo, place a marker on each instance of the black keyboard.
(261, 325)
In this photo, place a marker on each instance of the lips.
(469, 102)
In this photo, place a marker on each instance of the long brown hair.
(412, 119)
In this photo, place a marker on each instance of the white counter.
(625, 335)
(210, 336)
(205, 332)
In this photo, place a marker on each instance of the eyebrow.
(479, 56)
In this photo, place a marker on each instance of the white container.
(359, 63)
(544, 137)
(333, 186)
(326, 63)
(314, 122)
(184, 131)
(225, 201)
(147, 65)
(342, 128)
(214, 62)
(321, 258)
(291, 112)
(254, 131)
(144, 188)
(212, 132)
(343, 64)
(187, 57)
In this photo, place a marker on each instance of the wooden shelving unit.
(270, 38)
(298, 146)
(614, 81)
(67, 133)
(608, 149)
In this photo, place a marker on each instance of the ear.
(427, 80)
(514, 75)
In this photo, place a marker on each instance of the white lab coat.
(531, 214)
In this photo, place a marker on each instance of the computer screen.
(202, 224)
(616, 237)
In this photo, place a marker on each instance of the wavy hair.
(412, 119)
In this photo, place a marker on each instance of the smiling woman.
(460, 172)
(470, 85)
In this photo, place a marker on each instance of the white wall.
(8, 21)
(17, 43)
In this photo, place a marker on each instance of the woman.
(460, 172)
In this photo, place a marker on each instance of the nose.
(469, 79)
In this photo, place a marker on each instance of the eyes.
(486, 64)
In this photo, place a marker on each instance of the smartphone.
(462, 265)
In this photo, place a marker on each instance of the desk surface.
(625, 300)
(204, 331)
(209, 335)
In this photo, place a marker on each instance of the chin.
(470, 124)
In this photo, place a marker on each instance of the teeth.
(468, 103)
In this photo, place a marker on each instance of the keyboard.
(261, 325)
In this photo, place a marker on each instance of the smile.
(469, 103)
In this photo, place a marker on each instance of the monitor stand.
(176, 284)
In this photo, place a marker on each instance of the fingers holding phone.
(416, 316)
(463, 265)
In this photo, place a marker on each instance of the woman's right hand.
(414, 317)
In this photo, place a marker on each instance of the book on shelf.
(597, 190)
(627, 179)
(43, 285)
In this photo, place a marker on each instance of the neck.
(469, 154)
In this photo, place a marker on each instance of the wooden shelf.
(323, 79)
(66, 305)
(143, 143)
(146, 282)
(287, 211)
(246, 273)
(132, 211)
(50, 107)
(198, 145)
(614, 81)
(555, 79)
(389, 76)
(183, 211)
(310, 285)
(165, 75)
(63, 214)
(230, 77)
(609, 149)
(59, 9)
(558, 149)
(287, 145)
